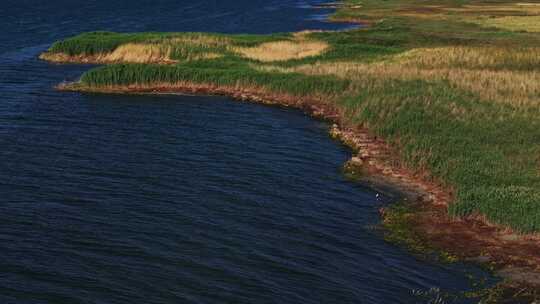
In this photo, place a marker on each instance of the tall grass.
(142, 74)
(96, 43)
(487, 152)
(501, 75)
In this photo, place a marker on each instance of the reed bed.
(143, 74)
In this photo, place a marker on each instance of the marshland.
(438, 101)
(452, 86)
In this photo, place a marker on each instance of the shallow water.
(180, 199)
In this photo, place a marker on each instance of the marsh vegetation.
(453, 85)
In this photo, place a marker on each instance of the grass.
(514, 23)
(283, 50)
(453, 85)
(107, 47)
(292, 83)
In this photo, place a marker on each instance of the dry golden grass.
(481, 13)
(160, 52)
(523, 16)
(139, 53)
(131, 53)
(283, 50)
(516, 8)
(470, 57)
(196, 47)
(513, 23)
(157, 53)
(471, 69)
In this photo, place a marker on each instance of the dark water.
(179, 199)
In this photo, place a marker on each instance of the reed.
(145, 74)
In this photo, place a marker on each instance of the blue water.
(180, 199)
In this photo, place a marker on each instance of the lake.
(181, 199)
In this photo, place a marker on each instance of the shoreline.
(512, 256)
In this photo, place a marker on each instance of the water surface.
(179, 199)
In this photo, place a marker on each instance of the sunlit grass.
(513, 23)
(502, 75)
(283, 50)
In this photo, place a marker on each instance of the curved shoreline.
(513, 257)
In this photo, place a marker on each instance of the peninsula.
(439, 98)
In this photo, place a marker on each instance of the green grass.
(491, 162)
(486, 148)
(227, 74)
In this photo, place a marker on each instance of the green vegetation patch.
(295, 84)
(399, 222)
